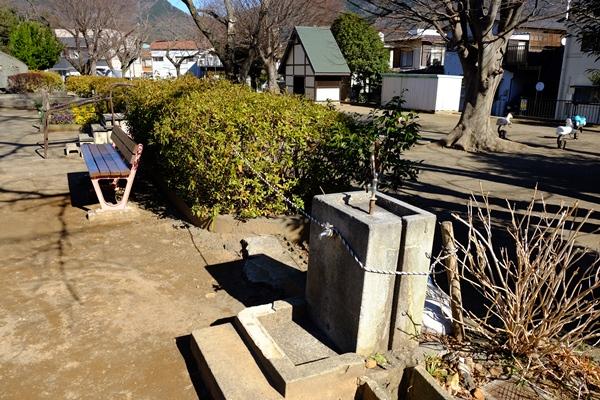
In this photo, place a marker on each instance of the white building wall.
(163, 68)
(424, 92)
(575, 68)
(324, 94)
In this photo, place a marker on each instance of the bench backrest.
(130, 150)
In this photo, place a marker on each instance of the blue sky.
(179, 4)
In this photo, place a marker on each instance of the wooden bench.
(112, 162)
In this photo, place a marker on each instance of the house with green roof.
(313, 64)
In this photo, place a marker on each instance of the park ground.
(104, 309)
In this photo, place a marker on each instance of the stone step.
(227, 367)
(99, 128)
(118, 116)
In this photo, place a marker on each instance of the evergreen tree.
(362, 47)
(35, 45)
(8, 22)
(584, 22)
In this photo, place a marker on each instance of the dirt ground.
(101, 309)
(104, 309)
(448, 177)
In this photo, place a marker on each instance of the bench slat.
(110, 164)
(103, 161)
(123, 143)
(90, 161)
(121, 166)
(113, 161)
(104, 170)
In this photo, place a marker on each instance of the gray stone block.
(366, 312)
(268, 262)
(304, 368)
(227, 367)
(351, 306)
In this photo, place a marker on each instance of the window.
(403, 58)
(590, 43)
(432, 55)
(586, 94)
(158, 59)
(406, 58)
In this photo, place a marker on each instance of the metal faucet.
(373, 185)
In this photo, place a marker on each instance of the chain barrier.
(329, 231)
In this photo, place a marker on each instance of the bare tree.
(218, 23)
(243, 31)
(126, 46)
(478, 30)
(183, 54)
(125, 42)
(91, 24)
(270, 24)
(182, 42)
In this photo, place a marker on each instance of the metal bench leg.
(104, 205)
(122, 204)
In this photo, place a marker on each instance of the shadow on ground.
(184, 345)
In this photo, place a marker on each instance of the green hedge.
(29, 82)
(88, 85)
(201, 132)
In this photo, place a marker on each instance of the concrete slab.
(268, 262)
(311, 369)
(298, 338)
(227, 367)
(417, 384)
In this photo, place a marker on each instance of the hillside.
(158, 11)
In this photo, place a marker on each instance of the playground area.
(105, 308)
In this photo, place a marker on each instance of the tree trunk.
(177, 70)
(89, 68)
(482, 74)
(271, 65)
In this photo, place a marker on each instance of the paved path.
(100, 310)
(448, 177)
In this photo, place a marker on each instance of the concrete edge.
(419, 385)
(293, 227)
(207, 378)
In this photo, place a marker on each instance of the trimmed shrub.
(203, 132)
(211, 138)
(88, 85)
(29, 82)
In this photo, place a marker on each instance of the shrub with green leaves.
(29, 82)
(203, 135)
(89, 85)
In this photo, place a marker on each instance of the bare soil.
(104, 309)
(101, 309)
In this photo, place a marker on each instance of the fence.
(558, 109)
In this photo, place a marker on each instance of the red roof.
(174, 45)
